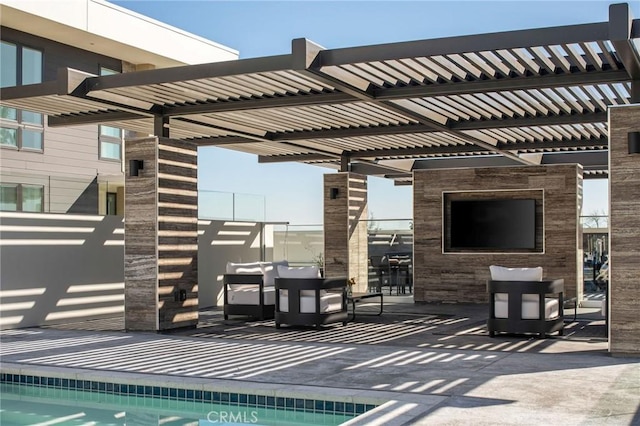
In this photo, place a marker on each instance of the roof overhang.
(518, 97)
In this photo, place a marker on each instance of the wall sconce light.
(135, 166)
(634, 142)
(333, 193)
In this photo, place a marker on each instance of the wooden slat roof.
(479, 98)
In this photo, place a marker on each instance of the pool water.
(22, 404)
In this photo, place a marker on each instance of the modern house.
(520, 115)
(77, 169)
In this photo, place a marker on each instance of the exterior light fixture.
(135, 166)
(333, 193)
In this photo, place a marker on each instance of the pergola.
(531, 97)
(536, 96)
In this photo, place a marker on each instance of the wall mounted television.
(492, 225)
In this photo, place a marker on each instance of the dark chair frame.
(259, 311)
(294, 286)
(514, 322)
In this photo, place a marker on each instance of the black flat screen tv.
(503, 224)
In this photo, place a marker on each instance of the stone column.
(345, 233)
(161, 235)
(624, 233)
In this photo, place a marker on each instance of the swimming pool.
(33, 399)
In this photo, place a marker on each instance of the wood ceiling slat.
(479, 62)
(607, 49)
(559, 57)
(182, 94)
(544, 58)
(575, 52)
(517, 97)
(568, 99)
(412, 74)
(496, 62)
(212, 93)
(448, 107)
(304, 80)
(421, 110)
(165, 94)
(582, 97)
(546, 101)
(447, 64)
(514, 65)
(442, 72)
(525, 58)
(463, 63)
(382, 113)
(394, 73)
(202, 96)
(507, 104)
(427, 73)
(470, 102)
(258, 86)
(596, 97)
(622, 92)
(292, 86)
(464, 104)
(593, 57)
(363, 74)
(486, 106)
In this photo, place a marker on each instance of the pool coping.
(381, 407)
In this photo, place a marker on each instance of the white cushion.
(329, 302)
(244, 268)
(301, 272)
(270, 271)
(266, 269)
(500, 273)
(529, 309)
(244, 294)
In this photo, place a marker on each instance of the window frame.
(18, 124)
(19, 187)
(103, 138)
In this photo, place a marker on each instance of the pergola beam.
(502, 85)
(463, 44)
(621, 25)
(596, 117)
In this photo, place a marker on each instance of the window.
(21, 197)
(110, 137)
(112, 203)
(20, 129)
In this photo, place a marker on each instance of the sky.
(293, 192)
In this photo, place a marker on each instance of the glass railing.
(301, 245)
(595, 221)
(217, 205)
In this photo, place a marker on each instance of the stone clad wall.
(161, 235)
(141, 244)
(345, 236)
(461, 277)
(177, 233)
(624, 223)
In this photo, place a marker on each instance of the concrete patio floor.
(422, 364)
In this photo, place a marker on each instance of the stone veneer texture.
(345, 235)
(461, 277)
(624, 230)
(161, 235)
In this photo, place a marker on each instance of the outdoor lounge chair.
(303, 298)
(521, 301)
(249, 289)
